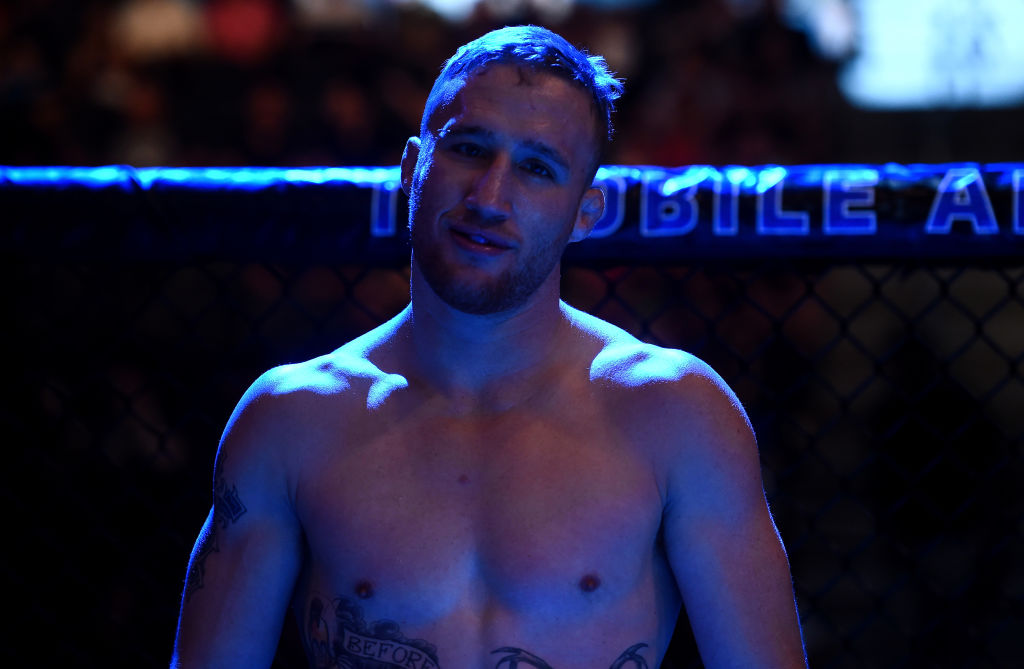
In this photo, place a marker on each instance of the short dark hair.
(543, 50)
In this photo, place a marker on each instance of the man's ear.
(590, 211)
(409, 157)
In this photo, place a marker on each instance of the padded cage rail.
(652, 213)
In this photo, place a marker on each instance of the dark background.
(887, 396)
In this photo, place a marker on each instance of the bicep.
(244, 564)
(725, 552)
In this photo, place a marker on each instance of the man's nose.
(489, 195)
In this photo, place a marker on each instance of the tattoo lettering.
(517, 656)
(357, 644)
(227, 509)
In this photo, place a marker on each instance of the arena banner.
(358, 214)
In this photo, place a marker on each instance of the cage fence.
(888, 400)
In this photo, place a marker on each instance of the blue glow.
(962, 197)
(844, 188)
(687, 180)
(246, 178)
(664, 215)
(727, 201)
(643, 201)
(771, 218)
(770, 177)
(1018, 202)
(741, 176)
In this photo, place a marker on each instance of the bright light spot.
(937, 53)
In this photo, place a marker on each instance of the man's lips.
(477, 239)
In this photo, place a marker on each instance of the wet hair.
(543, 51)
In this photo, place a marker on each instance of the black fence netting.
(888, 401)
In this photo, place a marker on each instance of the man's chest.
(528, 510)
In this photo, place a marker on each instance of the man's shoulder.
(352, 369)
(327, 375)
(658, 386)
(623, 361)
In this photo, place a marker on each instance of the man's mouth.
(479, 241)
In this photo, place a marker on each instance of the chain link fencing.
(888, 401)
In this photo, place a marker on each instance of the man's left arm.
(724, 549)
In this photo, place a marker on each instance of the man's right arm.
(249, 553)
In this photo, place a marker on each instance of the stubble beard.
(506, 292)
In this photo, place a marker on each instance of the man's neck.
(492, 359)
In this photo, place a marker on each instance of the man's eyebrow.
(549, 152)
(466, 130)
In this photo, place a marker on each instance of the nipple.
(364, 589)
(463, 479)
(590, 583)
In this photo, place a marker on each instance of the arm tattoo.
(227, 509)
(227, 505)
(355, 644)
(197, 569)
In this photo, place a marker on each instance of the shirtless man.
(492, 479)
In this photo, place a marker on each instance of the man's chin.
(477, 302)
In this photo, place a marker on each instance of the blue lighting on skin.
(381, 389)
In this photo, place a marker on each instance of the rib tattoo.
(337, 635)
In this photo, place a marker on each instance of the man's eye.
(469, 150)
(539, 169)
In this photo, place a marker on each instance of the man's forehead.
(444, 102)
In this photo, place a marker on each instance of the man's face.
(499, 186)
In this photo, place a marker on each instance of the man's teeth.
(478, 239)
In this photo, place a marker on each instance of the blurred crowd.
(342, 82)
